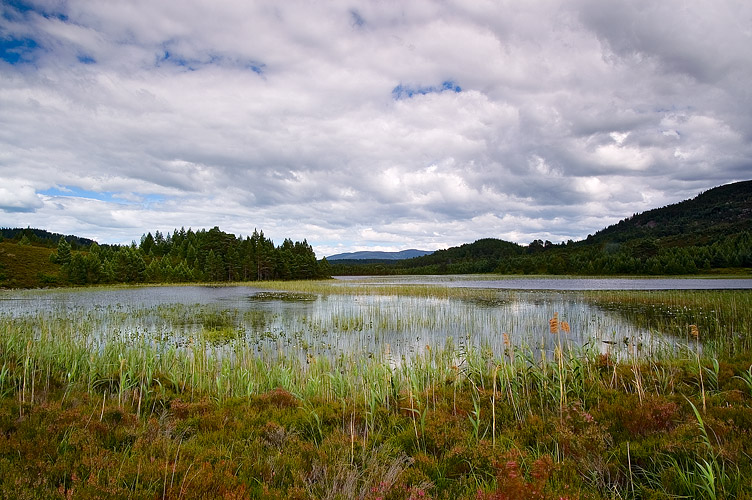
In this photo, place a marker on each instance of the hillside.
(26, 266)
(713, 214)
(708, 233)
(41, 237)
(479, 257)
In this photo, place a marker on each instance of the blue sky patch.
(405, 91)
(19, 7)
(357, 19)
(17, 50)
(257, 68)
(212, 59)
(74, 192)
(84, 59)
(168, 56)
(12, 8)
(106, 196)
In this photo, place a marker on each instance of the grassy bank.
(26, 266)
(81, 417)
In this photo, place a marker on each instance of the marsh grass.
(214, 411)
(723, 316)
(330, 287)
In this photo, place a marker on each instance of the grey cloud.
(672, 33)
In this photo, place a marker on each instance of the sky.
(367, 125)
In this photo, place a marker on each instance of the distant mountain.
(366, 255)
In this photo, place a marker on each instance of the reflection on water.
(300, 325)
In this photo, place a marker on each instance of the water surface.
(556, 283)
(276, 324)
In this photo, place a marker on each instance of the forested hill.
(713, 214)
(709, 233)
(40, 237)
(479, 257)
(28, 258)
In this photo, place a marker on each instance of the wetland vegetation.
(399, 388)
(332, 389)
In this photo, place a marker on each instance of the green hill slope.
(482, 256)
(26, 266)
(709, 216)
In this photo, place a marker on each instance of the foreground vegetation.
(138, 417)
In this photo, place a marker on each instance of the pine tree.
(63, 256)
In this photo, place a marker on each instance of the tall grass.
(133, 366)
(135, 358)
(723, 316)
(236, 353)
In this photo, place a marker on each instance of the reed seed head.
(553, 324)
(694, 331)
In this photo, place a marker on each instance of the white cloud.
(282, 116)
(17, 196)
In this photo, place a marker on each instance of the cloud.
(361, 124)
(17, 196)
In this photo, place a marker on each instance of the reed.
(724, 316)
(138, 367)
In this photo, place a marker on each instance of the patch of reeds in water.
(724, 316)
(231, 353)
(131, 365)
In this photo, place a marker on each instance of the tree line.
(646, 256)
(189, 256)
(643, 256)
